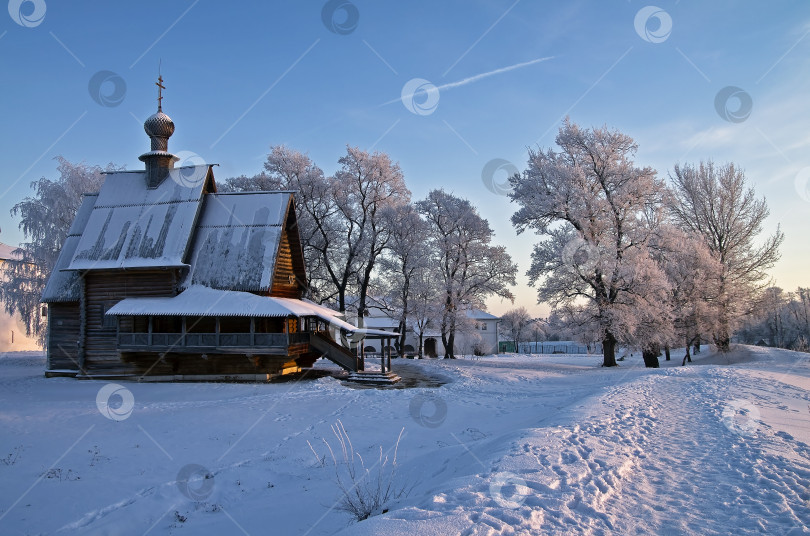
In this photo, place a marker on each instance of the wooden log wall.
(63, 336)
(289, 276)
(285, 280)
(104, 289)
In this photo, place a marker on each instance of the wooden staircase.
(335, 352)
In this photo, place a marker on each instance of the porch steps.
(373, 378)
(335, 352)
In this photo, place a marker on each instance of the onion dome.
(159, 125)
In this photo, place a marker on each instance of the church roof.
(132, 226)
(237, 240)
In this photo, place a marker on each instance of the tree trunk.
(650, 354)
(421, 344)
(609, 350)
(687, 357)
(723, 342)
(401, 339)
(666, 351)
(448, 346)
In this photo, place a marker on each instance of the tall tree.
(717, 203)
(593, 204)
(407, 260)
(367, 188)
(425, 303)
(45, 219)
(470, 268)
(693, 272)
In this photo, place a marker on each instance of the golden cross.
(161, 87)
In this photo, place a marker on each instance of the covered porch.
(277, 334)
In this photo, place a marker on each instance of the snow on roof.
(62, 285)
(379, 322)
(198, 300)
(7, 253)
(478, 314)
(237, 240)
(133, 226)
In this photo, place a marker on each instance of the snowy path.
(661, 454)
(512, 445)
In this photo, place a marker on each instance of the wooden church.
(162, 278)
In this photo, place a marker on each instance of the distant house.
(163, 278)
(482, 338)
(12, 330)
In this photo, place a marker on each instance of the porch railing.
(210, 340)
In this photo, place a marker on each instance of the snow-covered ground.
(510, 445)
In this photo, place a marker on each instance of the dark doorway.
(430, 347)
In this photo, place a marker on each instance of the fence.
(559, 347)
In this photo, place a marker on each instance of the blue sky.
(241, 76)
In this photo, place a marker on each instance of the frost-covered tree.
(781, 319)
(407, 262)
(45, 219)
(425, 303)
(470, 268)
(717, 203)
(516, 324)
(369, 189)
(598, 212)
(694, 273)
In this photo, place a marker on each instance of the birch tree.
(45, 219)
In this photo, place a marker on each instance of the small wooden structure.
(163, 278)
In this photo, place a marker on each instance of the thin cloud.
(478, 77)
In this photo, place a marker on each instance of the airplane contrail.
(477, 77)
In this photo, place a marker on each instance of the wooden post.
(389, 355)
(252, 331)
(149, 332)
(183, 330)
(216, 328)
(382, 356)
